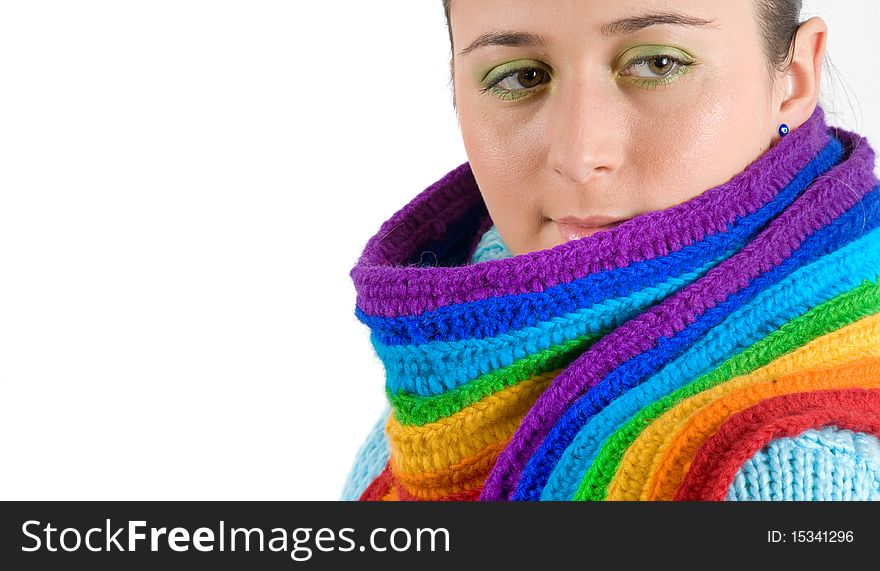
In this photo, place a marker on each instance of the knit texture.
(371, 459)
(828, 464)
(656, 360)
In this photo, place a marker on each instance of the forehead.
(583, 22)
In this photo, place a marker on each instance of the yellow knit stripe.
(439, 445)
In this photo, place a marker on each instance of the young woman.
(656, 277)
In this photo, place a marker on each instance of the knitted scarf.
(649, 361)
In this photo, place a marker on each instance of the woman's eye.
(513, 84)
(527, 78)
(656, 69)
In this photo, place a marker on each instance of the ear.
(800, 83)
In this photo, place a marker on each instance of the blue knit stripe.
(828, 464)
(456, 321)
(439, 366)
(841, 231)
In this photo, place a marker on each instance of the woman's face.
(609, 124)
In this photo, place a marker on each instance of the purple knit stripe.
(425, 219)
(387, 288)
(823, 201)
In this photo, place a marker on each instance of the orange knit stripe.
(456, 478)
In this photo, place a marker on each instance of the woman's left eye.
(660, 68)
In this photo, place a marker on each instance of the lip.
(573, 228)
(598, 221)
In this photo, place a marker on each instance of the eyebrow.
(636, 23)
(615, 28)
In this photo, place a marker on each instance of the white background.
(184, 188)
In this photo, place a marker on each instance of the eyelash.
(681, 67)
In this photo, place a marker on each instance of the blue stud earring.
(783, 130)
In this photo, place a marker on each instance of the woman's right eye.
(527, 78)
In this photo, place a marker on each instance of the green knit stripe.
(838, 312)
(420, 410)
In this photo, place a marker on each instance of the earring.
(783, 130)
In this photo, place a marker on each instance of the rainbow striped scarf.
(650, 361)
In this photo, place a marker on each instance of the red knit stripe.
(469, 496)
(379, 486)
(743, 434)
(382, 484)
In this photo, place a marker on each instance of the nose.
(586, 133)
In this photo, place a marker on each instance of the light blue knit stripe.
(819, 465)
(370, 460)
(808, 286)
(450, 364)
(490, 247)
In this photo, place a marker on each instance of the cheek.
(507, 168)
(700, 145)
(500, 141)
(502, 154)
